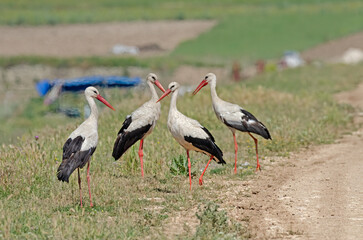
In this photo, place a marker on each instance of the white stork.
(234, 117)
(82, 143)
(190, 134)
(139, 124)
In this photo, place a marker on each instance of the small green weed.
(179, 166)
(220, 170)
(215, 224)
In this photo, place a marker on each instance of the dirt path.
(333, 50)
(315, 194)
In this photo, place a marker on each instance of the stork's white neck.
(94, 111)
(174, 96)
(213, 92)
(153, 91)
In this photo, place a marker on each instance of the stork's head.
(151, 77)
(93, 93)
(173, 86)
(210, 77)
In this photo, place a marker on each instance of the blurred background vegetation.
(246, 29)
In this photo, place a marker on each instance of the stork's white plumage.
(234, 117)
(82, 143)
(139, 124)
(190, 134)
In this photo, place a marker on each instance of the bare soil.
(333, 50)
(315, 194)
(152, 38)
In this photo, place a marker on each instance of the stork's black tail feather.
(65, 169)
(251, 124)
(76, 160)
(259, 129)
(267, 134)
(118, 147)
(207, 145)
(219, 156)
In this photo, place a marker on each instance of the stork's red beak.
(157, 83)
(166, 93)
(101, 99)
(201, 85)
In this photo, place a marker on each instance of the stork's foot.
(91, 205)
(200, 181)
(258, 167)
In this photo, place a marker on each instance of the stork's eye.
(153, 78)
(206, 77)
(94, 91)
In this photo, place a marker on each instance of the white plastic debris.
(352, 56)
(292, 59)
(123, 49)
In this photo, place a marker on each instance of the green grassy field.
(267, 34)
(37, 12)
(296, 105)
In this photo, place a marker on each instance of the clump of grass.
(131, 161)
(179, 166)
(214, 224)
(220, 170)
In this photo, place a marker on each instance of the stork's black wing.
(126, 139)
(125, 124)
(208, 145)
(73, 158)
(72, 146)
(249, 123)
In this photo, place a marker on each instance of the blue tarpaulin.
(81, 83)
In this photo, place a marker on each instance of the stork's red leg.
(189, 167)
(235, 153)
(141, 155)
(258, 167)
(201, 176)
(80, 189)
(89, 181)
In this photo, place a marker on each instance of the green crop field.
(296, 105)
(268, 34)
